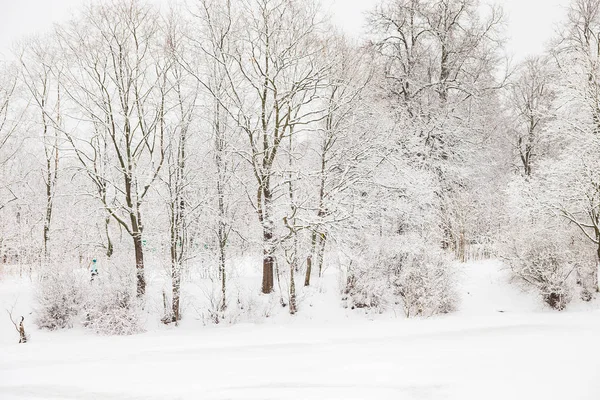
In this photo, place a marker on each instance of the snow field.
(524, 352)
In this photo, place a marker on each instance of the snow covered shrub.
(366, 288)
(111, 307)
(59, 296)
(408, 272)
(543, 252)
(247, 307)
(424, 282)
(545, 264)
(214, 311)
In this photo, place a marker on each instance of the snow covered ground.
(501, 345)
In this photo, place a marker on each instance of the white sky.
(530, 22)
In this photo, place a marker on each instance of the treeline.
(193, 137)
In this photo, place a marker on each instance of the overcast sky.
(530, 22)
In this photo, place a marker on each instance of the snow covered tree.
(116, 79)
(530, 98)
(274, 72)
(345, 145)
(178, 132)
(8, 122)
(577, 57)
(41, 76)
(439, 63)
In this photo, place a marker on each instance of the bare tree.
(531, 97)
(178, 131)
(42, 79)
(273, 76)
(438, 60)
(209, 62)
(285, 74)
(9, 122)
(578, 57)
(117, 81)
(338, 154)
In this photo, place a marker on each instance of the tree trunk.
(308, 270)
(267, 281)
(309, 259)
(444, 74)
(51, 178)
(175, 263)
(293, 307)
(176, 283)
(222, 238)
(268, 259)
(48, 217)
(139, 263)
(46, 239)
(318, 240)
(595, 272)
(321, 253)
(177, 246)
(223, 278)
(109, 244)
(222, 232)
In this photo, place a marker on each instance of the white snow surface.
(502, 344)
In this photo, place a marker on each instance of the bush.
(411, 272)
(546, 265)
(365, 290)
(556, 263)
(111, 307)
(108, 304)
(545, 253)
(59, 296)
(424, 283)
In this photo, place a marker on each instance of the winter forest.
(209, 165)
